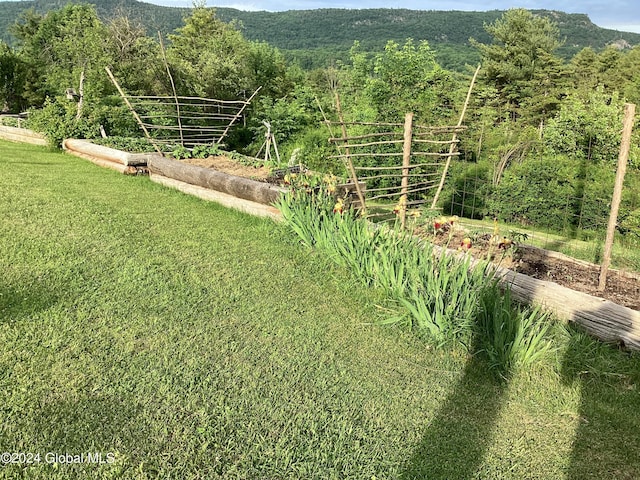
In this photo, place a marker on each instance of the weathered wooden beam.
(22, 135)
(240, 187)
(118, 167)
(88, 148)
(605, 320)
(224, 199)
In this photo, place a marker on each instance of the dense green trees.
(521, 65)
(13, 78)
(66, 51)
(544, 133)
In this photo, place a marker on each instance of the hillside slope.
(335, 30)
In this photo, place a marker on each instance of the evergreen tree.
(521, 65)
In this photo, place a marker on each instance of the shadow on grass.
(83, 437)
(16, 303)
(90, 423)
(606, 444)
(455, 442)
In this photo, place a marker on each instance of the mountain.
(315, 36)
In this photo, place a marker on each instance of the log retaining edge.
(605, 320)
(224, 199)
(244, 188)
(85, 147)
(22, 135)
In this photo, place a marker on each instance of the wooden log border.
(22, 135)
(246, 206)
(244, 188)
(605, 320)
(101, 152)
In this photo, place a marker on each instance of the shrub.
(537, 192)
(467, 192)
(57, 120)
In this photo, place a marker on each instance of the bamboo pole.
(406, 162)
(409, 186)
(374, 177)
(399, 154)
(133, 111)
(393, 194)
(80, 96)
(623, 157)
(352, 170)
(210, 100)
(454, 139)
(173, 86)
(373, 144)
(361, 137)
(331, 138)
(396, 167)
(237, 115)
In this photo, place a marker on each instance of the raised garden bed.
(246, 194)
(123, 162)
(22, 135)
(565, 286)
(536, 276)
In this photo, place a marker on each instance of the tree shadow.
(16, 303)
(83, 436)
(455, 442)
(606, 443)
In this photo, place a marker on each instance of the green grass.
(196, 342)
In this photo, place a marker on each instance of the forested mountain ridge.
(316, 35)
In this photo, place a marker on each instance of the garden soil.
(622, 288)
(226, 165)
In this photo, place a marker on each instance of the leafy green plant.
(10, 121)
(180, 152)
(56, 121)
(127, 144)
(444, 298)
(510, 335)
(204, 151)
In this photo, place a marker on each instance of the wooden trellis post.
(173, 87)
(352, 169)
(133, 111)
(454, 139)
(623, 157)
(406, 162)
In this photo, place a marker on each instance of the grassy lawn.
(187, 341)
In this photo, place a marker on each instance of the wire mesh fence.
(558, 204)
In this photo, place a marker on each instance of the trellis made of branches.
(400, 165)
(182, 120)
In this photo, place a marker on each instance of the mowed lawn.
(182, 340)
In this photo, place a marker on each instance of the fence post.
(352, 169)
(406, 161)
(623, 157)
(133, 110)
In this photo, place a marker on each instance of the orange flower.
(339, 206)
